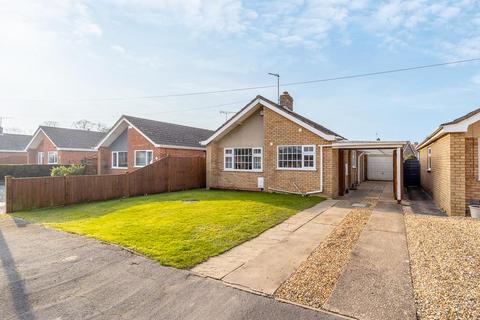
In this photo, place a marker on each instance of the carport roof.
(368, 144)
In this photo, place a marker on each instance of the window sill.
(247, 171)
(296, 169)
(119, 168)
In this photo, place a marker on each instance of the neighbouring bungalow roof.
(159, 133)
(64, 138)
(278, 108)
(459, 124)
(14, 142)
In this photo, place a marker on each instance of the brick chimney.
(286, 101)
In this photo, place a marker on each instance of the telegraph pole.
(278, 85)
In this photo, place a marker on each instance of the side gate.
(411, 173)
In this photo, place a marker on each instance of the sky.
(66, 60)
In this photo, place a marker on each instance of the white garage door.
(380, 168)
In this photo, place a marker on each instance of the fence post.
(127, 181)
(168, 173)
(8, 194)
(65, 190)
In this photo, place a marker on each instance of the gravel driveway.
(48, 274)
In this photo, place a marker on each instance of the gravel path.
(313, 282)
(445, 265)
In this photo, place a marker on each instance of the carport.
(353, 159)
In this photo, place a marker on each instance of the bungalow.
(12, 148)
(449, 163)
(135, 142)
(269, 147)
(51, 145)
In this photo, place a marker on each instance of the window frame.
(231, 156)
(146, 158)
(117, 166)
(304, 153)
(429, 159)
(478, 159)
(40, 154)
(55, 154)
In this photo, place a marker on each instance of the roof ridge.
(72, 129)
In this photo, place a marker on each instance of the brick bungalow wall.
(64, 157)
(136, 141)
(13, 157)
(277, 130)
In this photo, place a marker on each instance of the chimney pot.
(286, 101)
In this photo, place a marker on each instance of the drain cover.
(359, 205)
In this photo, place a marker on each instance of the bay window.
(296, 157)
(120, 159)
(242, 159)
(143, 157)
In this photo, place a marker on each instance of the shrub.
(73, 170)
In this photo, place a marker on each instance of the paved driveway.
(47, 274)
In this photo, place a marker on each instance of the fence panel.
(164, 175)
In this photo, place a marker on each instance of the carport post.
(398, 157)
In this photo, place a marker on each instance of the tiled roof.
(293, 114)
(164, 133)
(14, 142)
(73, 138)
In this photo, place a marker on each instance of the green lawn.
(179, 229)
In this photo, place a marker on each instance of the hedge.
(25, 170)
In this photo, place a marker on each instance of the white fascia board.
(39, 130)
(13, 151)
(437, 135)
(463, 125)
(368, 145)
(179, 147)
(119, 122)
(275, 109)
(76, 149)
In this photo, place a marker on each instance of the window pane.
(257, 163)
(140, 158)
(290, 157)
(308, 161)
(114, 159)
(122, 159)
(243, 158)
(228, 163)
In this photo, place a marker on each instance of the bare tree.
(85, 124)
(50, 123)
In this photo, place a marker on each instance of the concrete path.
(47, 274)
(265, 262)
(376, 282)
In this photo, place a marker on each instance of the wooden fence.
(165, 175)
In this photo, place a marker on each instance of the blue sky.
(56, 55)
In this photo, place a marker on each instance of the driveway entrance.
(48, 274)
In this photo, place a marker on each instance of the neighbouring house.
(410, 151)
(52, 145)
(12, 148)
(135, 142)
(449, 162)
(268, 147)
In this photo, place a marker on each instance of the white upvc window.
(243, 159)
(143, 157)
(354, 159)
(40, 158)
(429, 159)
(52, 157)
(119, 159)
(296, 157)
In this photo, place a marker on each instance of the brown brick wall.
(13, 157)
(277, 130)
(136, 141)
